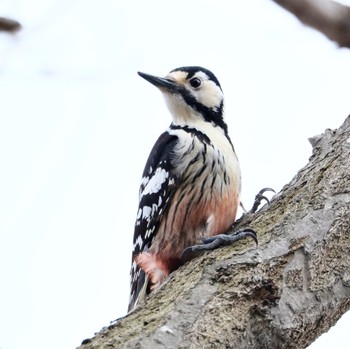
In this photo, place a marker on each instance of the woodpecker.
(191, 184)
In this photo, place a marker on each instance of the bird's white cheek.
(211, 96)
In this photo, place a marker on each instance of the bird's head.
(192, 94)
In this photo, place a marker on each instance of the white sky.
(77, 124)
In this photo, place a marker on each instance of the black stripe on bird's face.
(213, 115)
(200, 90)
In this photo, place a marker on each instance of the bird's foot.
(259, 198)
(216, 241)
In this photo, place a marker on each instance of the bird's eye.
(195, 82)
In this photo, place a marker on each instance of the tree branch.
(9, 25)
(329, 17)
(283, 294)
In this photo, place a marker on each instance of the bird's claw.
(216, 241)
(259, 198)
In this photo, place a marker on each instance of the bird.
(191, 184)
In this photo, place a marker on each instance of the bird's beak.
(162, 83)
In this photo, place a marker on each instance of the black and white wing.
(157, 186)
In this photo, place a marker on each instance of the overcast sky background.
(77, 124)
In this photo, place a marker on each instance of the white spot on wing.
(146, 211)
(133, 267)
(149, 232)
(138, 243)
(155, 183)
(144, 181)
(154, 209)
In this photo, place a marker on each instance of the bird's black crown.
(192, 70)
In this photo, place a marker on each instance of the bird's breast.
(206, 201)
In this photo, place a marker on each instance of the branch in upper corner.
(329, 17)
(9, 25)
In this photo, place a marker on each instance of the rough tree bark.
(282, 294)
(329, 17)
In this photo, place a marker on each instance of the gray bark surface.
(282, 294)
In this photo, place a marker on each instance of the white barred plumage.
(191, 182)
